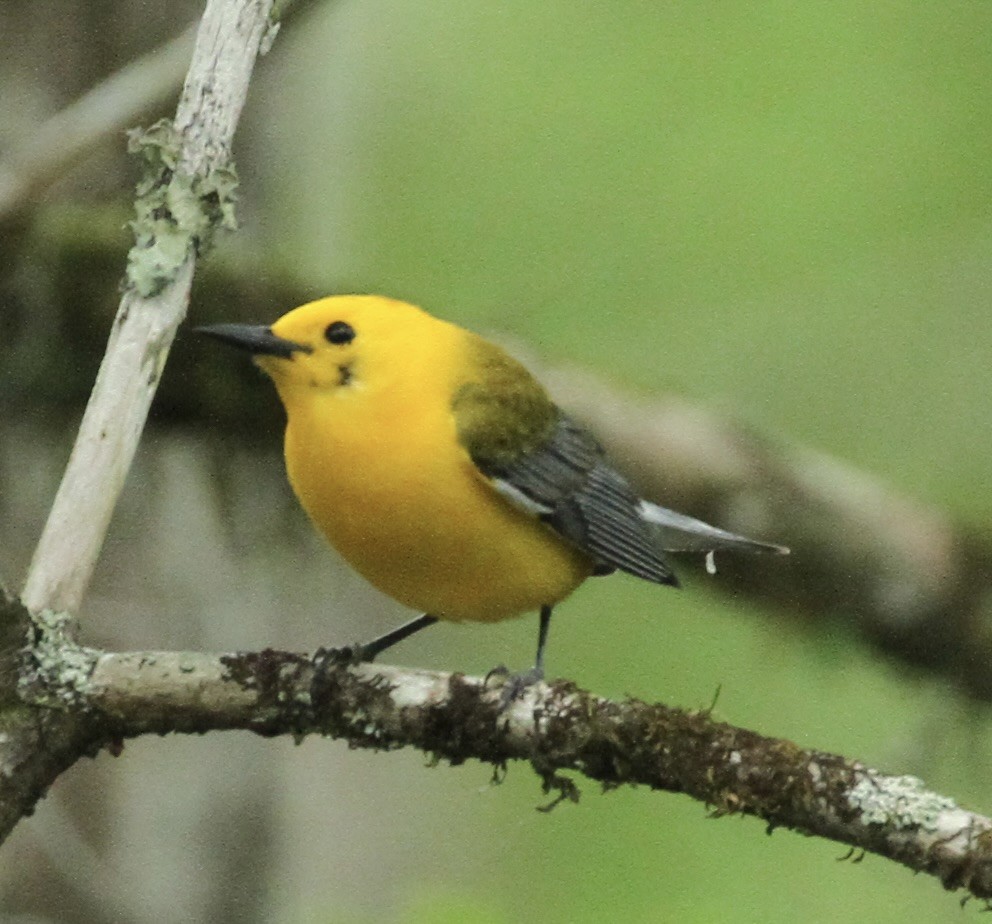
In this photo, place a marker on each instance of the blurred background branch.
(126, 97)
(31, 164)
(899, 575)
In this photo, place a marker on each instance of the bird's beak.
(254, 338)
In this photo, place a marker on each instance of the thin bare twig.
(110, 107)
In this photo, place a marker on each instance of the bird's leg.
(517, 683)
(542, 641)
(371, 650)
(355, 654)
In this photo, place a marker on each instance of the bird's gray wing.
(546, 464)
(567, 482)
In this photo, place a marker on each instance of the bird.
(442, 471)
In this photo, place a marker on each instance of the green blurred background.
(780, 210)
(780, 207)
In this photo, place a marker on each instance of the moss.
(56, 669)
(177, 212)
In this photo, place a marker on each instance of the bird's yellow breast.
(378, 467)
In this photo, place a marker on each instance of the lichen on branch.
(177, 213)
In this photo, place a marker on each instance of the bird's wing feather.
(547, 465)
(568, 484)
(677, 532)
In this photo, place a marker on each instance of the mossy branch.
(83, 699)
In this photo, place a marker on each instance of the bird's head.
(335, 343)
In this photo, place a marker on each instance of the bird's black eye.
(339, 332)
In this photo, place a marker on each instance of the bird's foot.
(514, 685)
(346, 654)
(324, 659)
(500, 670)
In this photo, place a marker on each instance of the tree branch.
(186, 194)
(557, 728)
(183, 199)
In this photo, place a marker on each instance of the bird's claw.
(325, 658)
(515, 684)
(346, 654)
(500, 670)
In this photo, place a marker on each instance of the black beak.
(254, 338)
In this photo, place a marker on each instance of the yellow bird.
(443, 473)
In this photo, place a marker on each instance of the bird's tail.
(678, 533)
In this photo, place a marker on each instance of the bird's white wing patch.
(520, 500)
